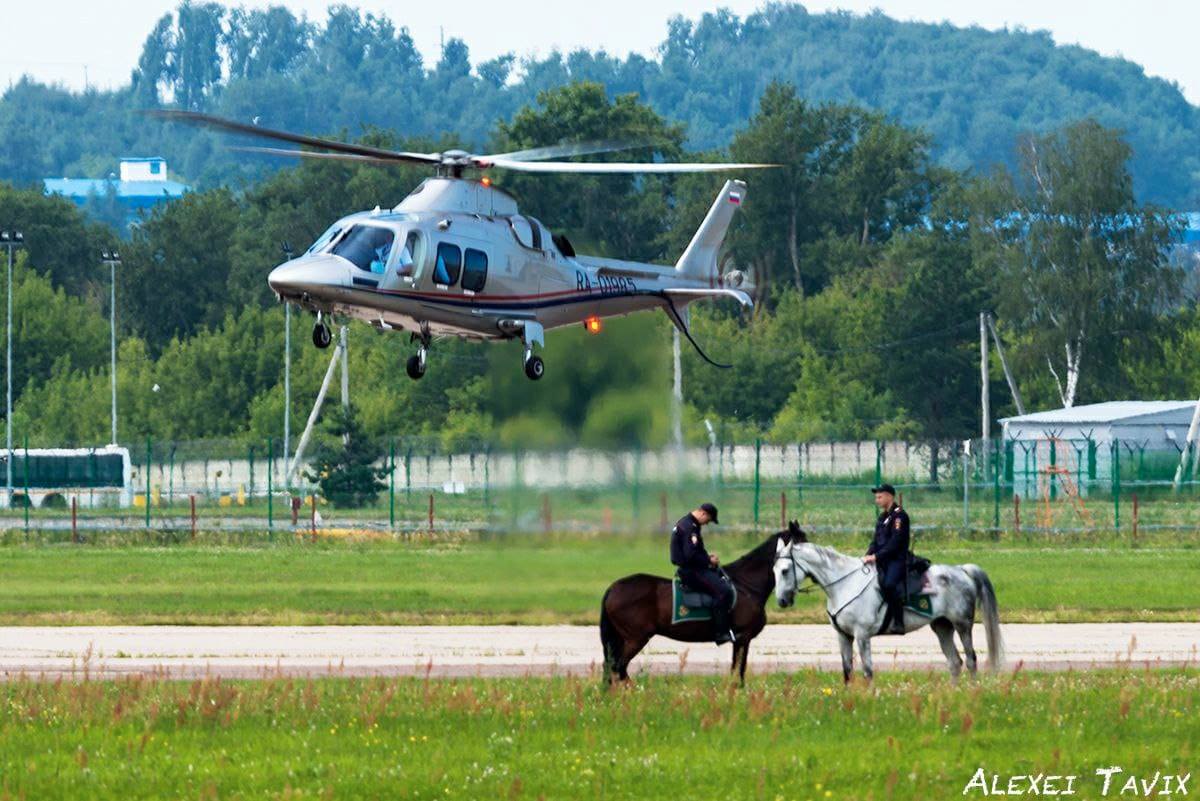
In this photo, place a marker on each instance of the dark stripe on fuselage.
(465, 302)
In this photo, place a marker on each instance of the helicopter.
(456, 258)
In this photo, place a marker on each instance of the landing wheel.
(535, 368)
(322, 336)
(415, 367)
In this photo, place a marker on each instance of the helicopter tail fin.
(699, 259)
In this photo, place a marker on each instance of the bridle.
(865, 569)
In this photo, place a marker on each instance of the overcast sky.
(64, 40)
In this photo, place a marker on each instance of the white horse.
(855, 604)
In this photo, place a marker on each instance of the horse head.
(792, 534)
(789, 572)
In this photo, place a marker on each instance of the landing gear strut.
(535, 368)
(322, 336)
(416, 363)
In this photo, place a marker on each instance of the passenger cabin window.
(366, 247)
(474, 270)
(526, 232)
(412, 256)
(449, 263)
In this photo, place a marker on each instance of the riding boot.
(723, 634)
(895, 613)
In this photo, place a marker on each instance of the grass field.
(783, 737)
(243, 580)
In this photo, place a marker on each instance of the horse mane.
(761, 553)
(827, 553)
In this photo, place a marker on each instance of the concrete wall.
(578, 468)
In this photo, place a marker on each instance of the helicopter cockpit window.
(324, 239)
(412, 256)
(367, 247)
(449, 263)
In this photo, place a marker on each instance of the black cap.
(712, 511)
(888, 488)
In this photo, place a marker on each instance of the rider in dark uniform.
(889, 552)
(698, 568)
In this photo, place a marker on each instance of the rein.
(864, 569)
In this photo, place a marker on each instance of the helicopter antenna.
(682, 326)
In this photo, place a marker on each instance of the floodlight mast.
(11, 240)
(112, 258)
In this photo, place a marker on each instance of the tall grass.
(800, 736)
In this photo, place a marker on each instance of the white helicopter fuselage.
(456, 258)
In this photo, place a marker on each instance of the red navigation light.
(592, 324)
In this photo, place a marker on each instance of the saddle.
(914, 578)
(916, 591)
(688, 603)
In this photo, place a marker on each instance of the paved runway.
(255, 651)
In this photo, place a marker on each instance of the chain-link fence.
(976, 486)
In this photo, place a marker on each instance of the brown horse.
(637, 607)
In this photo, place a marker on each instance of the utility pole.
(112, 258)
(10, 239)
(677, 398)
(984, 399)
(287, 369)
(344, 345)
(1193, 430)
(1008, 376)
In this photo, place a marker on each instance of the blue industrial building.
(1191, 235)
(141, 184)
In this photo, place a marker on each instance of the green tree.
(59, 239)
(622, 216)
(1078, 262)
(848, 179)
(50, 326)
(174, 273)
(345, 469)
(197, 59)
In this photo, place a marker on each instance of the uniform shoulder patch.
(695, 539)
(897, 525)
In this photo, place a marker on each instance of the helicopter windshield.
(324, 239)
(367, 247)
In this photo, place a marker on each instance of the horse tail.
(991, 615)
(610, 640)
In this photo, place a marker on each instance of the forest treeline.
(870, 260)
(972, 91)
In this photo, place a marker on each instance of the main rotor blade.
(211, 121)
(312, 154)
(599, 167)
(568, 149)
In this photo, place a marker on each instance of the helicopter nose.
(306, 275)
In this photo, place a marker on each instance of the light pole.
(112, 258)
(10, 239)
(286, 246)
